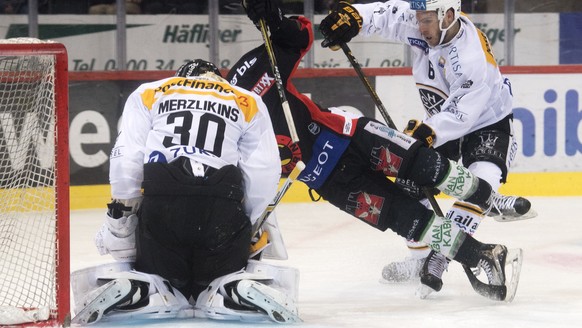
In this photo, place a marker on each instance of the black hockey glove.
(420, 131)
(340, 26)
(413, 190)
(264, 9)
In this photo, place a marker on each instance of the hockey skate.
(107, 297)
(510, 208)
(403, 271)
(493, 264)
(278, 306)
(431, 274)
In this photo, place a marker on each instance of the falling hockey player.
(360, 152)
(468, 104)
(205, 155)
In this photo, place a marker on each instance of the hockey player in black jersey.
(349, 158)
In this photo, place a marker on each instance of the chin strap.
(444, 30)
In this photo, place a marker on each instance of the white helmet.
(441, 7)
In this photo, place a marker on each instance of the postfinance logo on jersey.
(222, 90)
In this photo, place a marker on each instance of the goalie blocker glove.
(117, 234)
(420, 131)
(340, 26)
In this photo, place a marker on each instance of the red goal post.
(34, 183)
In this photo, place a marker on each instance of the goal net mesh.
(28, 189)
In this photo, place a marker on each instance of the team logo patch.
(289, 152)
(385, 161)
(442, 62)
(432, 100)
(365, 206)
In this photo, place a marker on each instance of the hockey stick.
(358, 68)
(288, 182)
(487, 290)
(279, 82)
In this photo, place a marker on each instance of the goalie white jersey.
(205, 119)
(459, 82)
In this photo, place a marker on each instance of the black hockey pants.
(192, 229)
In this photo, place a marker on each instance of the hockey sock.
(458, 182)
(466, 216)
(443, 236)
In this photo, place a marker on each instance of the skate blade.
(514, 261)
(114, 292)
(504, 292)
(506, 218)
(274, 309)
(423, 291)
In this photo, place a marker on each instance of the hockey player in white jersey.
(195, 164)
(468, 104)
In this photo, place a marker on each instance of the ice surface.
(340, 261)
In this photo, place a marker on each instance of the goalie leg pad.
(162, 301)
(279, 306)
(150, 296)
(213, 303)
(276, 249)
(282, 277)
(84, 281)
(104, 300)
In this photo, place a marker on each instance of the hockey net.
(34, 183)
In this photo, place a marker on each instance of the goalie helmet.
(197, 67)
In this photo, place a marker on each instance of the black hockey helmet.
(197, 67)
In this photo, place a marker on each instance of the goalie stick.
(494, 292)
(288, 182)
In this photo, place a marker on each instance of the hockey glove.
(420, 131)
(410, 188)
(413, 190)
(340, 26)
(117, 234)
(264, 9)
(117, 237)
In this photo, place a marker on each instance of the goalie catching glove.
(420, 131)
(340, 26)
(264, 9)
(117, 234)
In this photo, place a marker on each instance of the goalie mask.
(197, 67)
